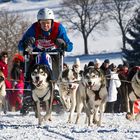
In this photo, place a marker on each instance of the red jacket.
(4, 68)
(49, 41)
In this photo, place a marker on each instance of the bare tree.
(12, 27)
(82, 15)
(120, 11)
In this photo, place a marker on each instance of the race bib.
(44, 43)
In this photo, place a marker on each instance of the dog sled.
(51, 54)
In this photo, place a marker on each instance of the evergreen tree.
(132, 54)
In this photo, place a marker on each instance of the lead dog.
(92, 95)
(2, 93)
(42, 90)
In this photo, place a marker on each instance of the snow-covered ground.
(114, 127)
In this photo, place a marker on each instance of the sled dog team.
(80, 90)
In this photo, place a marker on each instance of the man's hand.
(60, 43)
(29, 49)
(28, 44)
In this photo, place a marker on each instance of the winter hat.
(106, 61)
(120, 66)
(97, 61)
(18, 57)
(4, 53)
(125, 64)
(112, 67)
(77, 62)
(91, 63)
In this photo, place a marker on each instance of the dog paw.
(95, 121)
(69, 121)
(98, 123)
(47, 117)
(50, 119)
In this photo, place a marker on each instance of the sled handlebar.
(51, 51)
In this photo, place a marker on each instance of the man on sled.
(45, 34)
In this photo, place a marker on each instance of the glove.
(28, 44)
(60, 43)
(29, 49)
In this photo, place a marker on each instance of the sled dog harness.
(46, 41)
(42, 98)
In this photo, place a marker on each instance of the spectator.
(97, 63)
(106, 71)
(123, 90)
(4, 69)
(4, 63)
(112, 89)
(17, 76)
(76, 65)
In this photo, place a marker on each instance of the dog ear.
(81, 73)
(65, 73)
(49, 72)
(85, 67)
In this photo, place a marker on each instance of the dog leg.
(49, 107)
(97, 117)
(73, 105)
(68, 103)
(100, 115)
(40, 119)
(5, 105)
(51, 104)
(0, 108)
(79, 110)
(102, 108)
(88, 113)
(47, 115)
(13, 109)
(35, 110)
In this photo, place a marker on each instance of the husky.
(3, 105)
(42, 89)
(92, 95)
(133, 91)
(68, 87)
